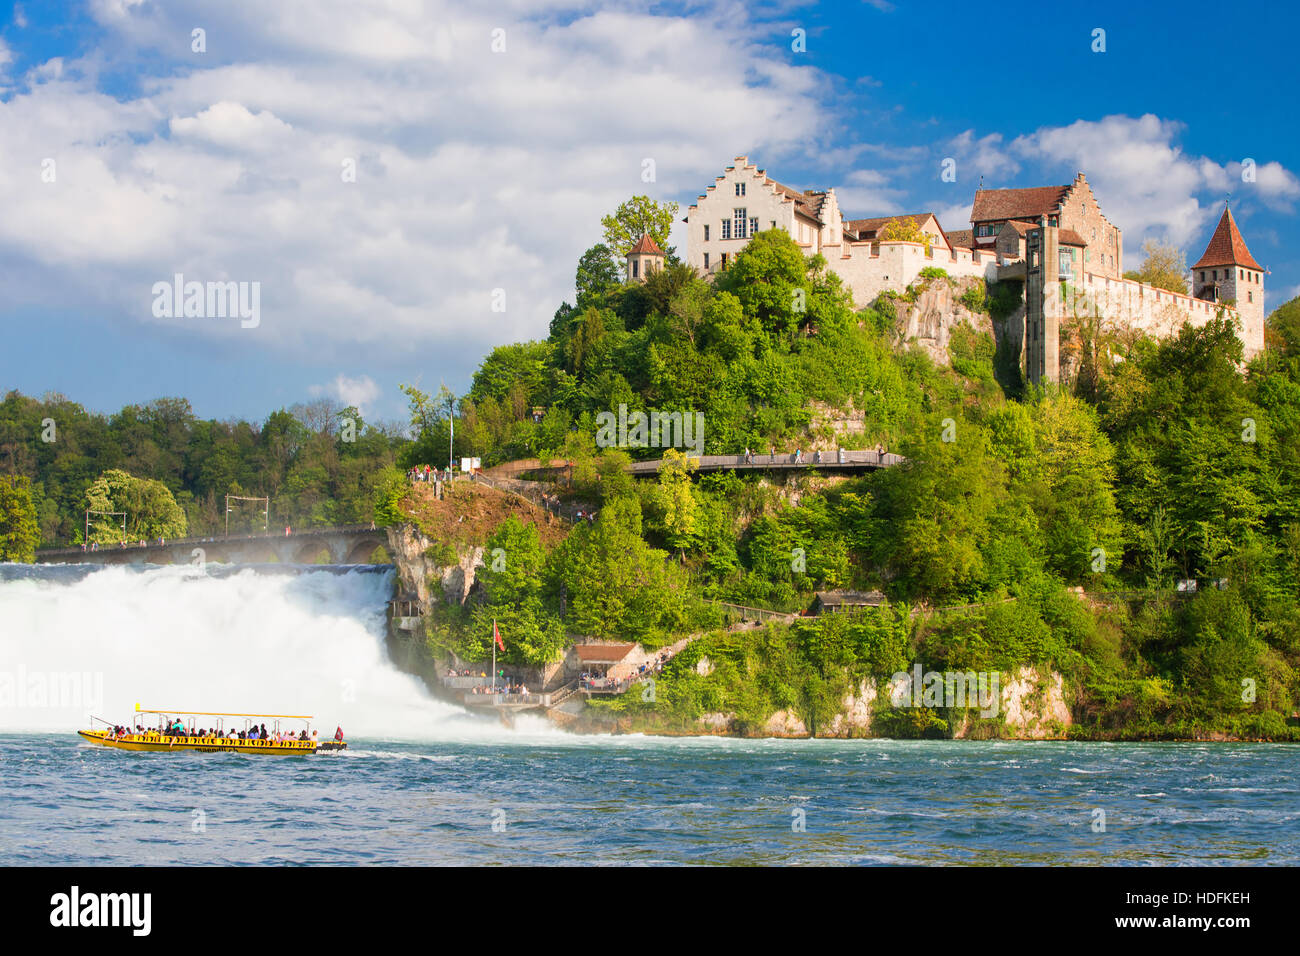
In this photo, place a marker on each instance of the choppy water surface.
(637, 800)
(306, 640)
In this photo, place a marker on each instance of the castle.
(1053, 240)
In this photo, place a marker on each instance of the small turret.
(643, 258)
(1227, 272)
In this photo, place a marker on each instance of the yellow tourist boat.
(176, 730)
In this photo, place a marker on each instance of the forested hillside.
(318, 464)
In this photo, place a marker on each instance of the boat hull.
(163, 744)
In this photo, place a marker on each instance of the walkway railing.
(855, 460)
(536, 499)
(756, 613)
(211, 539)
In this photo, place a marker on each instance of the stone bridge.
(355, 544)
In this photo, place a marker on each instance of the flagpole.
(494, 656)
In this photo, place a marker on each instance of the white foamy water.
(76, 641)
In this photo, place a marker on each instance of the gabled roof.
(1066, 237)
(868, 228)
(1020, 226)
(961, 238)
(1226, 247)
(646, 245)
(994, 204)
(808, 203)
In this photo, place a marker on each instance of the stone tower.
(1227, 272)
(1042, 308)
(643, 258)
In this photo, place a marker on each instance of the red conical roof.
(1226, 247)
(646, 245)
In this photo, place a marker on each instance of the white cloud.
(985, 157)
(1144, 181)
(952, 217)
(474, 170)
(359, 392)
(867, 193)
(231, 124)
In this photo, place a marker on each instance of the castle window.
(740, 189)
(706, 233)
(706, 260)
(1250, 296)
(726, 229)
(724, 260)
(1202, 275)
(773, 223)
(753, 226)
(741, 218)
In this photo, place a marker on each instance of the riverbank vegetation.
(1163, 489)
(320, 465)
(1137, 532)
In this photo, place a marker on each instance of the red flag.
(496, 635)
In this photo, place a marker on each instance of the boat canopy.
(218, 713)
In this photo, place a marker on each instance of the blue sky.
(127, 156)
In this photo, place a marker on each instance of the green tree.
(19, 531)
(1164, 267)
(675, 506)
(639, 216)
(598, 274)
(151, 510)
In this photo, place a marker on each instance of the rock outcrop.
(421, 561)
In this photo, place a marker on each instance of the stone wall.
(870, 268)
(1154, 311)
(1081, 212)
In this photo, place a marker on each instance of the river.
(426, 783)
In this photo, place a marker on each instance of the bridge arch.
(315, 551)
(363, 552)
(259, 554)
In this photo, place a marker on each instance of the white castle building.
(1052, 239)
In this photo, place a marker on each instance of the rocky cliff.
(430, 569)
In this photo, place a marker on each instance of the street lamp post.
(110, 514)
(266, 511)
(451, 440)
